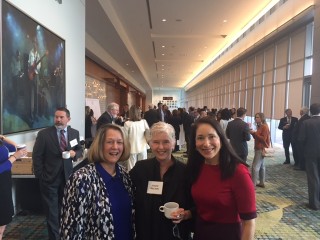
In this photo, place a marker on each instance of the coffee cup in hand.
(66, 155)
(21, 146)
(169, 208)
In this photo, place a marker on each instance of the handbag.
(268, 152)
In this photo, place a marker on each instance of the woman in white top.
(135, 129)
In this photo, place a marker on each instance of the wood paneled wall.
(116, 91)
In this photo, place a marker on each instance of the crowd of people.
(118, 193)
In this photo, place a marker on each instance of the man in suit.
(51, 169)
(286, 125)
(238, 133)
(151, 116)
(161, 113)
(309, 135)
(187, 121)
(297, 147)
(109, 116)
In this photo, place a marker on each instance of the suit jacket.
(296, 129)
(160, 114)
(48, 163)
(150, 222)
(287, 133)
(104, 119)
(238, 133)
(187, 121)
(175, 122)
(309, 135)
(151, 116)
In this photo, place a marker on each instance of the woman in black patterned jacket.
(98, 198)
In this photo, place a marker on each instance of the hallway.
(282, 213)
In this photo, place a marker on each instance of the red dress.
(221, 204)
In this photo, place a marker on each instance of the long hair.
(134, 113)
(228, 159)
(262, 117)
(95, 153)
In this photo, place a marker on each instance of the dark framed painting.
(33, 72)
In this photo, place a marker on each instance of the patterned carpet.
(282, 213)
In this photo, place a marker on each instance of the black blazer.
(104, 119)
(151, 224)
(309, 135)
(47, 155)
(151, 116)
(287, 133)
(296, 129)
(238, 133)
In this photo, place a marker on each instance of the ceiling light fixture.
(164, 20)
(163, 46)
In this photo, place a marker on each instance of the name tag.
(73, 142)
(155, 187)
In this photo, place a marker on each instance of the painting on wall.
(33, 72)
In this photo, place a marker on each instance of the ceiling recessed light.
(163, 46)
(164, 20)
(127, 64)
(225, 21)
(162, 54)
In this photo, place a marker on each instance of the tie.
(63, 142)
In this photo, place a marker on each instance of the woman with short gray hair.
(157, 181)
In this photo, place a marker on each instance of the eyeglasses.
(176, 232)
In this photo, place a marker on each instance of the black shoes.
(298, 169)
(311, 207)
(286, 162)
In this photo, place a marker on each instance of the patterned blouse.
(86, 209)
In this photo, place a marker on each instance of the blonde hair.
(95, 153)
(134, 113)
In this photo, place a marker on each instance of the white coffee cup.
(169, 208)
(66, 155)
(21, 146)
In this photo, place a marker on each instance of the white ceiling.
(137, 45)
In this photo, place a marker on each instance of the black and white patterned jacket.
(86, 212)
